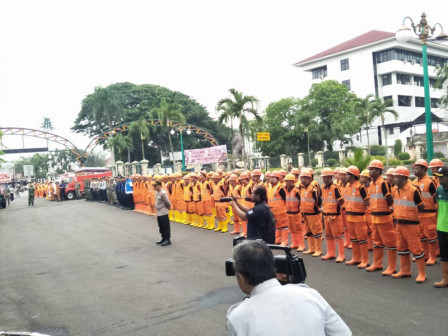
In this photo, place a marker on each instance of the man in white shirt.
(273, 309)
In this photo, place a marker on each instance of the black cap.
(442, 171)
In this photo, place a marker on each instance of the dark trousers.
(130, 201)
(164, 227)
(443, 243)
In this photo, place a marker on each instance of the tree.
(397, 147)
(142, 129)
(47, 125)
(359, 160)
(363, 107)
(441, 80)
(166, 113)
(239, 106)
(379, 110)
(227, 114)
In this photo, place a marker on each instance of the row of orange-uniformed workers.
(47, 189)
(358, 210)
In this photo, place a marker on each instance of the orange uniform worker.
(293, 212)
(207, 202)
(188, 198)
(199, 206)
(342, 174)
(383, 229)
(434, 165)
(332, 202)
(427, 216)
(267, 179)
(220, 191)
(310, 204)
(364, 178)
(180, 207)
(169, 185)
(246, 192)
(277, 203)
(407, 203)
(356, 203)
(234, 191)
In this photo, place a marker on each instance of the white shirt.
(273, 309)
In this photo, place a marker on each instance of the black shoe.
(160, 242)
(166, 242)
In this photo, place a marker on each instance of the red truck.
(80, 175)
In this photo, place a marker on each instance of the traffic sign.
(263, 136)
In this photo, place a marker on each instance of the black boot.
(166, 242)
(160, 241)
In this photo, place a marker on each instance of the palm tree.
(106, 109)
(379, 109)
(121, 142)
(47, 125)
(166, 113)
(359, 160)
(441, 78)
(227, 114)
(142, 128)
(364, 107)
(238, 106)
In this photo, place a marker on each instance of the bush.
(331, 162)
(394, 162)
(407, 162)
(439, 155)
(314, 162)
(377, 150)
(381, 158)
(403, 156)
(397, 147)
(331, 155)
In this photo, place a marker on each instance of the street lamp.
(424, 32)
(182, 146)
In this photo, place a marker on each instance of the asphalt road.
(80, 268)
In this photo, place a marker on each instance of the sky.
(54, 53)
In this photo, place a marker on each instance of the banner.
(206, 155)
(5, 178)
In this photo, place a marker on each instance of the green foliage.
(129, 102)
(394, 162)
(331, 155)
(403, 156)
(47, 124)
(407, 162)
(377, 150)
(314, 162)
(380, 157)
(397, 147)
(359, 160)
(331, 162)
(439, 155)
(441, 79)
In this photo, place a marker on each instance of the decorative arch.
(155, 122)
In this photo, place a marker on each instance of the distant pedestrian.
(11, 193)
(30, 195)
(163, 205)
(442, 224)
(18, 190)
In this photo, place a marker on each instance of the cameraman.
(273, 309)
(259, 219)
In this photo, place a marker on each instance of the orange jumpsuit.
(294, 218)
(278, 207)
(235, 192)
(310, 203)
(246, 192)
(331, 211)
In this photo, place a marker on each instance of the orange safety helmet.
(342, 171)
(295, 171)
(376, 164)
(311, 170)
(391, 171)
(402, 171)
(256, 172)
(268, 173)
(193, 175)
(353, 170)
(290, 177)
(244, 176)
(305, 173)
(220, 171)
(327, 172)
(233, 177)
(435, 163)
(366, 173)
(276, 174)
(216, 175)
(283, 172)
(421, 162)
(336, 170)
(187, 177)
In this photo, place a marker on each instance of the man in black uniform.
(260, 220)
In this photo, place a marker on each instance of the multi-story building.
(377, 63)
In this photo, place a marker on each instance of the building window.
(391, 131)
(435, 103)
(418, 80)
(344, 64)
(319, 73)
(432, 82)
(404, 100)
(403, 79)
(386, 98)
(346, 83)
(407, 56)
(387, 79)
(419, 102)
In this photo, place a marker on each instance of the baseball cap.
(441, 171)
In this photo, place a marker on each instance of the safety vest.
(380, 211)
(292, 202)
(275, 201)
(188, 196)
(354, 202)
(246, 192)
(218, 191)
(430, 207)
(234, 191)
(405, 209)
(205, 191)
(316, 185)
(308, 204)
(197, 192)
(330, 205)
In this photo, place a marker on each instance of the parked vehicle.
(2, 198)
(80, 175)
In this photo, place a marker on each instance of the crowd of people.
(52, 191)
(356, 210)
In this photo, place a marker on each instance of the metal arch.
(44, 135)
(155, 122)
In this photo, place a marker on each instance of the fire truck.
(80, 175)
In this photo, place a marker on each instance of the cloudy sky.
(54, 53)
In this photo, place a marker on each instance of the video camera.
(290, 268)
(229, 199)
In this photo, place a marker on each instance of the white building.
(376, 63)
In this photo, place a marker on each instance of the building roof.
(364, 39)
(414, 117)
